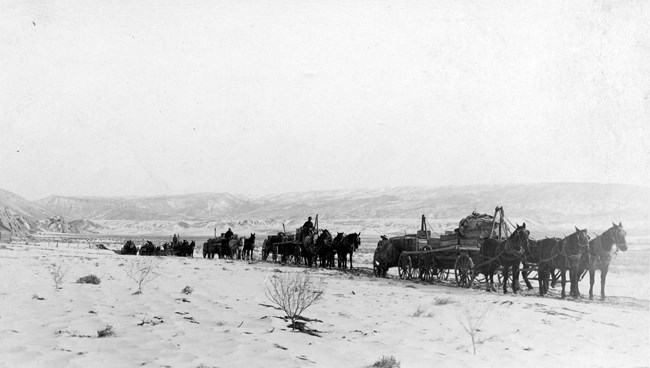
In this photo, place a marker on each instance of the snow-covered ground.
(228, 322)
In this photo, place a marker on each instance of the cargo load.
(476, 225)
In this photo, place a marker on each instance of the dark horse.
(507, 253)
(533, 255)
(211, 247)
(324, 249)
(149, 249)
(388, 252)
(129, 248)
(249, 247)
(563, 254)
(269, 246)
(346, 244)
(599, 256)
(184, 249)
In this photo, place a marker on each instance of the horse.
(268, 247)
(507, 253)
(212, 247)
(190, 251)
(184, 249)
(149, 249)
(564, 254)
(599, 256)
(533, 255)
(249, 247)
(308, 248)
(235, 245)
(129, 248)
(388, 252)
(346, 244)
(324, 250)
(385, 256)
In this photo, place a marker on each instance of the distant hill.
(180, 207)
(20, 216)
(551, 209)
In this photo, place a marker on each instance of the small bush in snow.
(106, 332)
(90, 279)
(386, 362)
(57, 272)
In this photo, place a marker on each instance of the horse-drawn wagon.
(223, 247)
(421, 256)
(291, 248)
(312, 246)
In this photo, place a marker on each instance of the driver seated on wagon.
(307, 227)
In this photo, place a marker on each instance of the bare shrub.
(106, 332)
(142, 272)
(90, 279)
(187, 290)
(58, 272)
(293, 293)
(471, 318)
(386, 362)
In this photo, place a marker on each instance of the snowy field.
(226, 321)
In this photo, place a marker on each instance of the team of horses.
(234, 248)
(179, 248)
(576, 253)
(312, 248)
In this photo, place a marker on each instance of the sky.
(112, 98)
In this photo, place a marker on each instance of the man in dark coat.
(228, 234)
(308, 224)
(307, 227)
(226, 238)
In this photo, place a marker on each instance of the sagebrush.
(471, 318)
(142, 272)
(90, 279)
(106, 332)
(58, 273)
(386, 362)
(293, 293)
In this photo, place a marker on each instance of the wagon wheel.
(401, 266)
(464, 268)
(429, 270)
(409, 265)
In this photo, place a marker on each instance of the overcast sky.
(169, 97)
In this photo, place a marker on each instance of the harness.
(603, 254)
(561, 252)
(507, 248)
